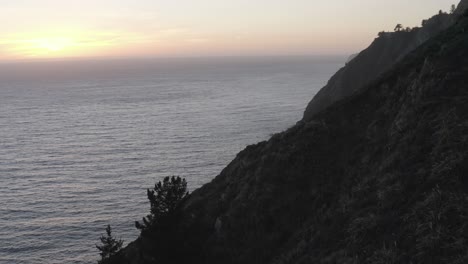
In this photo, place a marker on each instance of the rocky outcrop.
(380, 56)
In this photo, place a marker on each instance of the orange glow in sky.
(61, 44)
(32, 29)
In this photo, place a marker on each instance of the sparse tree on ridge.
(398, 27)
(453, 8)
(164, 199)
(110, 246)
(160, 228)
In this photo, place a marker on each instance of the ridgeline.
(377, 172)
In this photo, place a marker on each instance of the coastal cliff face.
(462, 6)
(388, 49)
(379, 177)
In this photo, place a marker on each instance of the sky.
(42, 29)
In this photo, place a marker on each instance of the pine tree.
(398, 27)
(110, 246)
(160, 228)
(164, 200)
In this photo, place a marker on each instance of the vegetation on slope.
(387, 50)
(160, 240)
(109, 246)
(380, 177)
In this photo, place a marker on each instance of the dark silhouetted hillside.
(379, 177)
(388, 49)
(462, 6)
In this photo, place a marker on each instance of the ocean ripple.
(79, 148)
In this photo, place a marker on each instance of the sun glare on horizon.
(48, 46)
(69, 43)
(53, 44)
(64, 29)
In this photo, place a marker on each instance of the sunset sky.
(33, 29)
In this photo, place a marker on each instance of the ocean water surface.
(81, 141)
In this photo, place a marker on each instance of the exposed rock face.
(379, 177)
(380, 56)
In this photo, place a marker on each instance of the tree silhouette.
(110, 246)
(453, 8)
(398, 27)
(164, 200)
(166, 243)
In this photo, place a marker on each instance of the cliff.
(462, 6)
(380, 56)
(379, 177)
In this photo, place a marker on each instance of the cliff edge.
(381, 177)
(378, 177)
(388, 49)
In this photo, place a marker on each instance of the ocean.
(81, 141)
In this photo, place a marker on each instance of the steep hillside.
(380, 56)
(462, 7)
(380, 177)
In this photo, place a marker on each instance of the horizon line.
(214, 56)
